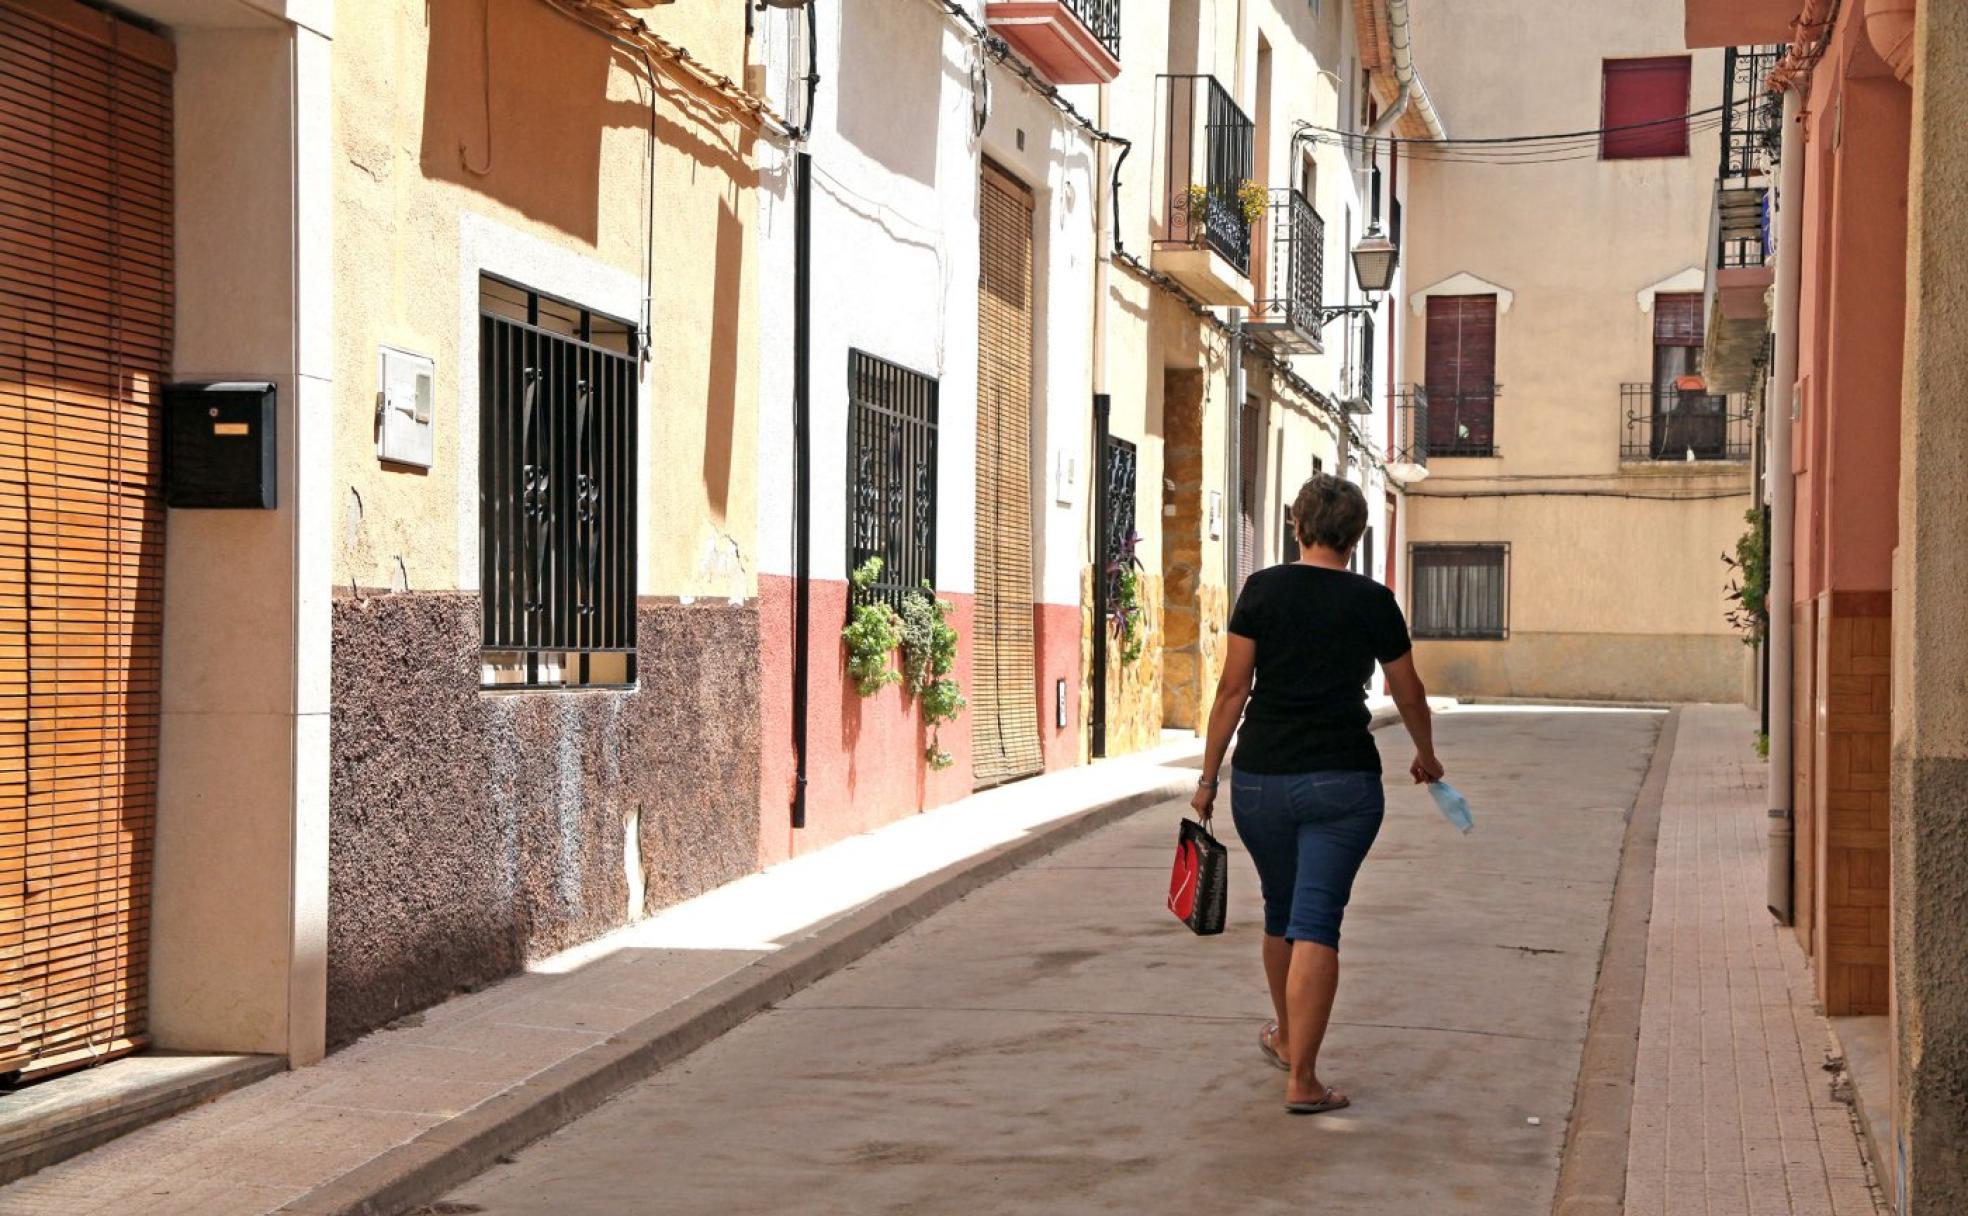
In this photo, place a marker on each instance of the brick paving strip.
(401, 1116)
(1733, 1112)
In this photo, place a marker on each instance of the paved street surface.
(1733, 1112)
(1056, 1043)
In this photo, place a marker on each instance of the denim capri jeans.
(1308, 834)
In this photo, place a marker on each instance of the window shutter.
(85, 340)
(1251, 436)
(1004, 670)
(1678, 320)
(1461, 375)
(1645, 91)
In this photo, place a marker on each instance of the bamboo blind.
(85, 332)
(1004, 681)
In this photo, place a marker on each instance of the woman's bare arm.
(1404, 683)
(1232, 691)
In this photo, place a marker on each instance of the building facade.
(1833, 246)
(447, 437)
(1583, 478)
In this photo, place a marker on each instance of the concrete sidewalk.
(393, 1118)
(1733, 1107)
(1057, 1044)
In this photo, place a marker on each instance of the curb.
(461, 1148)
(1592, 1171)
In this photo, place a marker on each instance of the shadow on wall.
(515, 103)
(880, 108)
(721, 386)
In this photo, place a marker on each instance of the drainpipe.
(1400, 39)
(1782, 390)
(802, 470)
(1233, 487)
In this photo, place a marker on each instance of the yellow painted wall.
(561, 156)
(1611, 594)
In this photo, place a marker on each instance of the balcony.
(1293, 241)
(1462, 420)
(1208, 200)
(1070, 41)
(1356, 379)
(1407, 460)
(1739, 270)
(1663, 423)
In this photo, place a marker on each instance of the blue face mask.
(1454, 807)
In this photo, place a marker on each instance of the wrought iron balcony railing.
(1102, 19)
(1358, 385)
(1410, 426)
(1209, 155)
(1663, 423)
(1752, 122)
(1462, 420)
(1294, 271)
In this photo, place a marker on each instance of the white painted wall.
(895, 257)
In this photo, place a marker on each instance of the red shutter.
(1678, 320)
(1461, 374)
(1645, 91)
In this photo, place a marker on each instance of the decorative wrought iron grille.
(1661, 423)
(1297, 266)
(1211, 148)
(1410, 426)
(1459, 591)
(557, 443)
(1119, 466)
(1102, 19)
(1360, 369)
(891, 473)
(1462, 422)
(1752, 115)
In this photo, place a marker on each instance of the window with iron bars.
(891, 473)
(557, 496)
(1459, 591)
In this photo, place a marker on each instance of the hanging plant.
(1749, 581)
(873, 632)
(929, 655)
(1129, 622)
(1253, 198)
(927, 643)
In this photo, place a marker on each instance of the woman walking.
(1306, 788)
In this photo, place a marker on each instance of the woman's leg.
(1309, 997)
(1277, 967)
(1264, 824)
(1338, 816)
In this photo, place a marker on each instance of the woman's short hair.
(1330, 511)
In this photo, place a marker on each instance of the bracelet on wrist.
(1206, 783)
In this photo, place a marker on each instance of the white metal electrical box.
(405, 385)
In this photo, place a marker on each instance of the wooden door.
(1461, 375)
(1004, 670)
(85, 335)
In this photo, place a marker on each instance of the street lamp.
(1374, 260)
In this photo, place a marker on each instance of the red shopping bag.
(1199, 885)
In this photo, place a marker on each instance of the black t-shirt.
(1318, 633)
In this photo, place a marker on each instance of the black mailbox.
(219, 444)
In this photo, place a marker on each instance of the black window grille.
(1459, 591)
(1121, 465)
(557, 498)
(891, 473)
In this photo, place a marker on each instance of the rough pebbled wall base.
(471, 831)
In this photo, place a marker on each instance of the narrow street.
(1056, 1043)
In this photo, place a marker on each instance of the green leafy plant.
(1250, 197)
(873, 632)
(922, 632)
(929, 655)
(1762, 745)
(1749, 581)
(1253, 198)
(1130, 626)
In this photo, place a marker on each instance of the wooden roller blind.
(1004, 702)
(85, 335)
